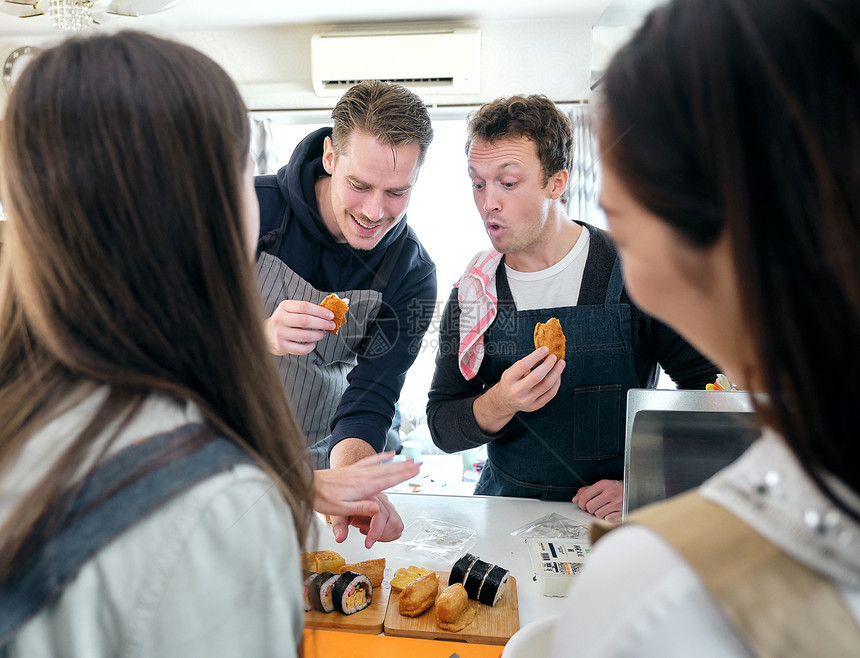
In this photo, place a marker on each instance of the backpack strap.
(124, 490)
(782, 607)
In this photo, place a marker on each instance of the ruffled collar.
(768, 488)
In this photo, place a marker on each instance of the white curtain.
(263, 146)
(584, 184)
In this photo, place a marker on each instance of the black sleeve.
(272, 202)
(449, 407)
(654, 343)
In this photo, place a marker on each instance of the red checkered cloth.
(478, 306)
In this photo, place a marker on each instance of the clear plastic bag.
(438, 542)
(552, 526)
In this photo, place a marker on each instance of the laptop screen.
(675, 440)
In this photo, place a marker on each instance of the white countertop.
(492, 517)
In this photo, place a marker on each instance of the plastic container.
(556, 562)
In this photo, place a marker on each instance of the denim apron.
(577, 438)
(314, 383)
(113, 498)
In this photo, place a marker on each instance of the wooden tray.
(368, 620)
(492, 624)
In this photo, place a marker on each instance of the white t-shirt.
(554, 287)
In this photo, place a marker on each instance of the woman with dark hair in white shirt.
(731, 140)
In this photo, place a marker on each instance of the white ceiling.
(193, 15)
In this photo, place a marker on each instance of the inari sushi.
(352, 592)
(320, 591)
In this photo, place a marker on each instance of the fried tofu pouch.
(337, 306)
(418, 595)
(551, 335)
(373, 569)
(453, 611)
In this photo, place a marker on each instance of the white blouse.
(214, 572)
(637, 596)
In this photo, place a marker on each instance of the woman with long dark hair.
(731, 141)
(154, 486)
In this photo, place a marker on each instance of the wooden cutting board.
(368, 620)
(492, 624)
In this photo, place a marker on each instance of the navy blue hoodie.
(309, 249)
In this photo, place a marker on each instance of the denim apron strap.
(113, 498)
(616, 283)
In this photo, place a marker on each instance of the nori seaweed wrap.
(461, 569)
(476, 578)
(352, 592)
(319, 591)
(493, 586)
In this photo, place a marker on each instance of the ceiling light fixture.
(71, 15)
(76, 15)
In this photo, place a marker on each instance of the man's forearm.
(348, 451)
(490, 414)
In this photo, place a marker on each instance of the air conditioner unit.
(444, 60)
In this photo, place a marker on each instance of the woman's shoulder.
(204, 572)
(232, 516)
(637, 597)
(768, 488)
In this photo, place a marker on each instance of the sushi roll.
(320, 591)
(461, 569)
(484, 582)
(493, 586)
(308, 577)
(475, 577)
(351, 592)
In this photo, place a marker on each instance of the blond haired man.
(333, 221)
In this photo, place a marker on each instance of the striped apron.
(315, 382)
